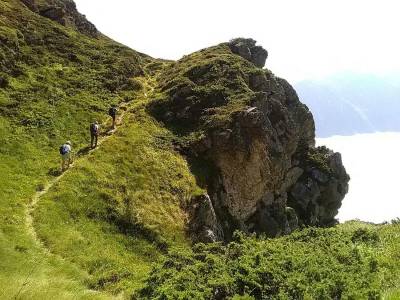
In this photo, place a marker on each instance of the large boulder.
(318, 193)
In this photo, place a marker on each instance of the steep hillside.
(120, 208)
(54, 81)
(204, 146)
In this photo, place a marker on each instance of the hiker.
(65, 151)
(112, 112)
(94, 133)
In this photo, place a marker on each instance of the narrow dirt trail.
(31, 206)
(148, 89)
(125, 108)
(35, 199)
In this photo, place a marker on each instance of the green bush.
(344, 262)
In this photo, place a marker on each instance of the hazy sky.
(373, 163)
(305, 39)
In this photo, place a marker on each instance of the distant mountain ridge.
(350, 103)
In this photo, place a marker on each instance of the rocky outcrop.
(63, 12)
(204, 225)
(267, 176)
(318, 193)
(57, 14)
(255, 166)
(247, 49)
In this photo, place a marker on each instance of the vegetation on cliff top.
(203, 90)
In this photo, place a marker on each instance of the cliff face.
(63, 12)
(248, 131)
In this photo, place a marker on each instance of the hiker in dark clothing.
(112, 112)
(94, 133)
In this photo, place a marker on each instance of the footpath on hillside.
(55, 176)
(80, 154)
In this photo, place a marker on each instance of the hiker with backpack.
(66, 159)
(94, 134)
(112, 112)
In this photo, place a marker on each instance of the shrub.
(309, 264)
(396, 221)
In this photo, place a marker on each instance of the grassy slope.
(50, 97)
(108, 240)
(119, 209)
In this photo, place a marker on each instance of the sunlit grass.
(120, 207)
(48, 99)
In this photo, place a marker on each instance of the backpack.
(94, 128)
(63, 149)
(112, 111)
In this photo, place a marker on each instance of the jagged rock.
(247, 49)
(259, 83)
(65, 13)
(258, 56)
(204, 226)
(319, 192)
(291, 178)
(305, 193)
(270, 220)
(267, 176)
(56, 14)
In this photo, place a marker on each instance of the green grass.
(350, 261)
(131, 191)
(119, 209)
(213, 80)
(50, 97)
